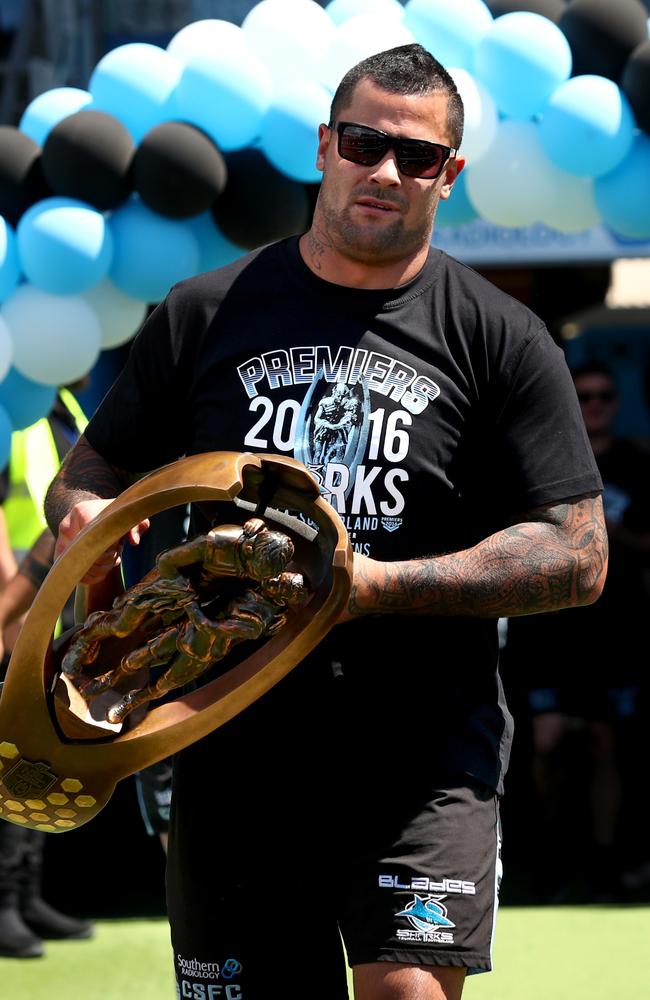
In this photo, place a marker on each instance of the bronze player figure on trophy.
(192, 646)
(168, 599)
(250, 551)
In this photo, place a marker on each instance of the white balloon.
(289, 36)
(6, 349)
(209, 35)
(574, 207)
(56, 338)
(357, 39)
(514, 182)
(120, 316)
(481, 115)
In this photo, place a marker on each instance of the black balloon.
(603, 33)
(178, 170)
(260, 204)
(636, 84)
(551, 9)
(21, 174)
(88, 156)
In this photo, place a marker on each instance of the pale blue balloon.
(226, 97)
(622, 195)
(458, 209)
(449, 29)
(522, 60)
(289, 130)
(9, 263)
(6, 430)
(48, 109)
(343, 10)
(25, 401)
(151, 252)
(64, 245)
(587, 127)
(215, 250)
(135, 83)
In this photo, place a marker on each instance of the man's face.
(377, 214)
(598, 401)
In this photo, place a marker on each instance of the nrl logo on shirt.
(391, 523)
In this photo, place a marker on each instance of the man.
(585, 668)
(398, 717)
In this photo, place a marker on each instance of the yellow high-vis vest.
(33, 464)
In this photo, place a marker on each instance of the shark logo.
(425, 913)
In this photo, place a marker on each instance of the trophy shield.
(251, 598)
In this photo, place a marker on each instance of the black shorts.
(267, 873)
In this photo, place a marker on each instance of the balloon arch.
(178, 160)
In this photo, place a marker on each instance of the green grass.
(567, 953)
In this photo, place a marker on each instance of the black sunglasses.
(606, 396)
(415, 157)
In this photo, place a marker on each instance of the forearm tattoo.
(84, 475)
(553, 557)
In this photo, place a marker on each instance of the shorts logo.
(428, 919)
(425, 913)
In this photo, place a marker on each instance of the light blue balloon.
(343, 10)
(135, 83)
(215, 250)
(622, 195)
(457, 210)
(9, 263)
(289, 131)
(64, 245)
(48, 109)
(226, 97)
(449, 29)
(151, 252)
(25, 401)
(587, 127)
(522, 60)
(6, 430)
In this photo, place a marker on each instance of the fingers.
(76, 520)
(136, 533)
(100, 569)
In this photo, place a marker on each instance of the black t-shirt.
(430, 414)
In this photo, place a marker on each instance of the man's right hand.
(76, 520)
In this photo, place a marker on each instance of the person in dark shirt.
(585, 664)
(469, 492)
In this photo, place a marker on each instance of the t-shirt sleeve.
(544, 445)
(140, 424)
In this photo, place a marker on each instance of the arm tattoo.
(553, 557)
(84, 475)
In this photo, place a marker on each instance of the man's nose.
(386, 172)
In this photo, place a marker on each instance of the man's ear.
(324, 136)
(452, 169)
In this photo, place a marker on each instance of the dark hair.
(407, 69)
(593, 368)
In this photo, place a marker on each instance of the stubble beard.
(368, 242)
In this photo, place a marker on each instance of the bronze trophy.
(76, 715)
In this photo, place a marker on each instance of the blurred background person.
(26, 919)
(584, 672)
